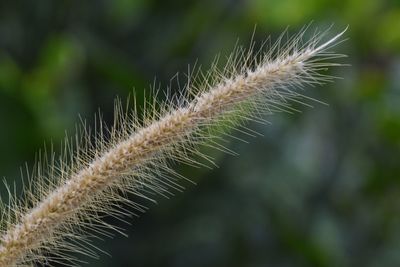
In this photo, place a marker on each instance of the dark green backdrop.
(321, 188)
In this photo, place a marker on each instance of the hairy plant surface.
(67, 197)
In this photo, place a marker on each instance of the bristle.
(66, 198)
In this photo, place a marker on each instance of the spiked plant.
(66, 198)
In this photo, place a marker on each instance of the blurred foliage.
(321, 188)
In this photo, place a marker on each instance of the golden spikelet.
(65, 200)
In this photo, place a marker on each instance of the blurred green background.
(321, 188)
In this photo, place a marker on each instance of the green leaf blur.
(321, 188)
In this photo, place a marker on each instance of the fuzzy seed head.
(67, 197)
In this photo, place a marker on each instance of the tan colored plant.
(67, 198)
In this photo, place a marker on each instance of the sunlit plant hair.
(66, 197)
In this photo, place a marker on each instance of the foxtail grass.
(67, 197)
